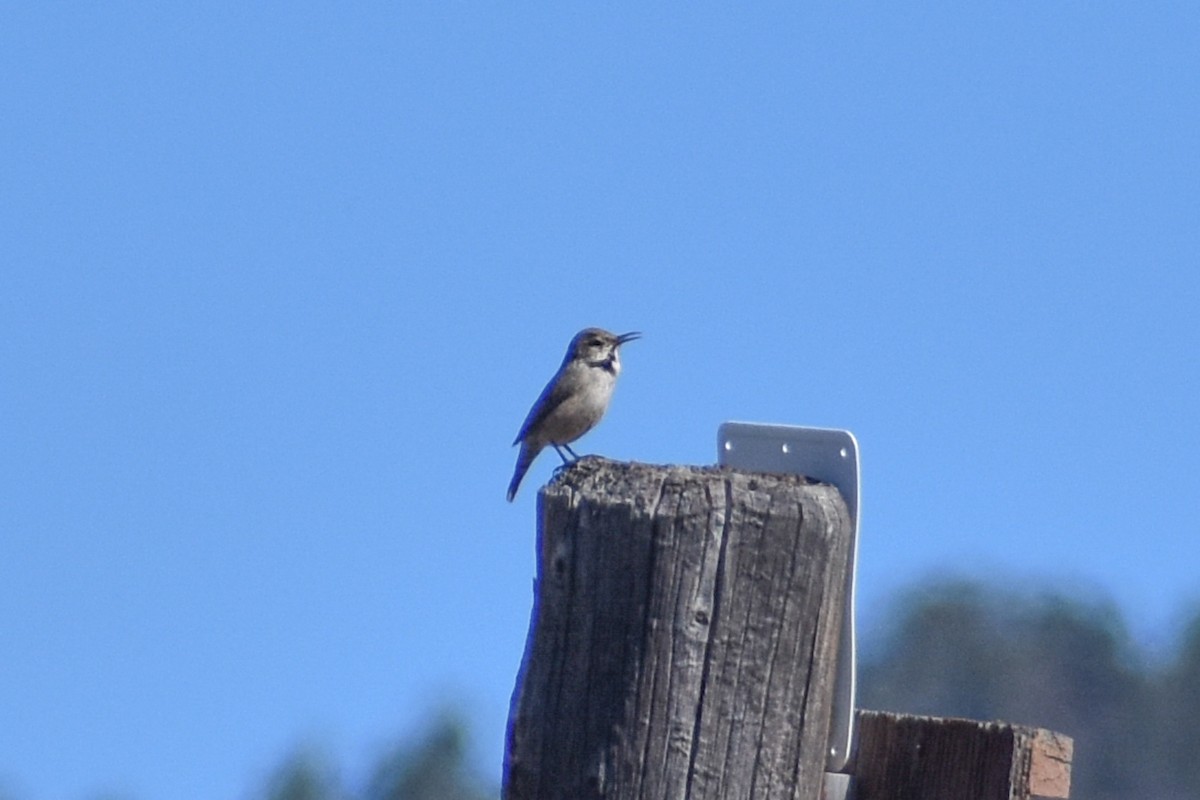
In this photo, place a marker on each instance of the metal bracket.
(829, 456)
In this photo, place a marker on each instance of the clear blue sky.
(280, 283)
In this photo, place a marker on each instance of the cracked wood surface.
(930, 758)
(683, 637)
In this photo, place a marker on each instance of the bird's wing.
(552, 397)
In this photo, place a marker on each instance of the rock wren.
(573, 401)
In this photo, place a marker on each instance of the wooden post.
(901, 756)
(683, 638)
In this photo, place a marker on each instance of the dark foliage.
(433, 768)
(303, 776)
(958, 649)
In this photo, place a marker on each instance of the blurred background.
(280, 283)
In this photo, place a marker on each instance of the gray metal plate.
(829, 456)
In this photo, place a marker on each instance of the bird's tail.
(525, 458)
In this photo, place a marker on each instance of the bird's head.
(598, 348)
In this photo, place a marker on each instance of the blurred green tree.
(304, 775)
(1178, 707)
(959, 649)
(433, 769)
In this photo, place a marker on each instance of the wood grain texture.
(902, 757)
(683, 637)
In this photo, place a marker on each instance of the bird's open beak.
(628, 337)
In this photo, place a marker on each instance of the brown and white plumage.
(574, 400)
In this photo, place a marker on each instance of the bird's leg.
(559, 448)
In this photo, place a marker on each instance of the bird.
(573, 401)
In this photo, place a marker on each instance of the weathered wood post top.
(684, 635)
